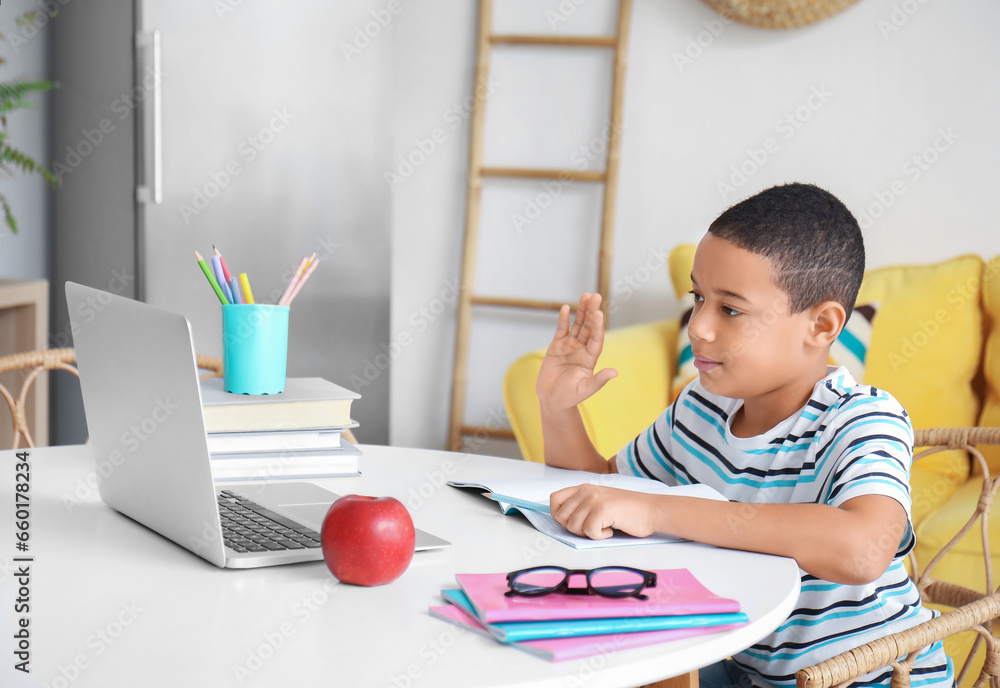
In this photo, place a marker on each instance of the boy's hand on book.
(595, 511)
(567, 374)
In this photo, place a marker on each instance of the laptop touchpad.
(307, 504)
(302, 502)
(310, 515)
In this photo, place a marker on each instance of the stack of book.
(297, 434)
(559, 627)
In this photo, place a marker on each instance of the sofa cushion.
(925, 345)
(924, 350)
(964, 564)
(991, 359)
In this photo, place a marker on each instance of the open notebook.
(531, 498)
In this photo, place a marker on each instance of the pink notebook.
(676, 592)
(562, 649)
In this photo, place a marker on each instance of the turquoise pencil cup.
(254, 348)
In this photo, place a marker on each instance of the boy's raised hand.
(567, 374)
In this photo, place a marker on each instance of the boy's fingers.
(603, 377)
(594, 332)
(562, 325)
(580, 317)
(587, 521)
(596, 530)
(594, 321)
(558, 498)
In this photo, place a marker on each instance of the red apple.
(367, 540)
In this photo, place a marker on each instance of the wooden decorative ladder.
(477, 172)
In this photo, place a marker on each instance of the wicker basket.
(778, 14)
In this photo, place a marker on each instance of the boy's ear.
(828, 319)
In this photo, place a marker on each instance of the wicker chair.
(37, 362)
(972, 610)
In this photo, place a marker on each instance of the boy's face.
(745, 342)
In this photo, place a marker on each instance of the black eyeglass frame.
(648, 581)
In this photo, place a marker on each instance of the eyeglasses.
(607, 581)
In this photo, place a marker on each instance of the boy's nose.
(699, 326)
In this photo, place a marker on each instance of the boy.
(815, 465)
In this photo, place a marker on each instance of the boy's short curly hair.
(812, 240)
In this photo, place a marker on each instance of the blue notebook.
(515, 631)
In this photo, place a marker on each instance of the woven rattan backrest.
(940, 592)
(974, 610)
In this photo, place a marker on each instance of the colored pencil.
(302, 280)
(291, 284)
(299, 271)
(225, 268)
(247, 294)
(221, 279)
(211, 278)
(234, 287)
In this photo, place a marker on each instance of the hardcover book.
(298, 465)
(275, 441)
(307, 402)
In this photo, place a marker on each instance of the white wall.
(867, 91)
(23, 256)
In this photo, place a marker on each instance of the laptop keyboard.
(249, 527)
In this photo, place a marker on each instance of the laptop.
(142, 400)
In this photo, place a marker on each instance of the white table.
(114, 604)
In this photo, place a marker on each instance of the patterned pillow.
(849, 350)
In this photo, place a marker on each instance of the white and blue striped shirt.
(848, 440)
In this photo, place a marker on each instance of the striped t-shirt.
(848, 440)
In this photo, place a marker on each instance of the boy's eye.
(697, 297)
(730, 311)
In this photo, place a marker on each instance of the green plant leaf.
(26, 163)
(8, 216)
(12, 95)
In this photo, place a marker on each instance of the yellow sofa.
(935, 345)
